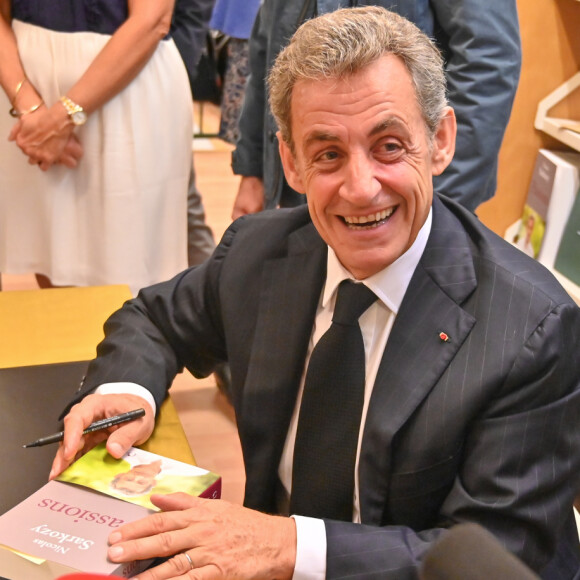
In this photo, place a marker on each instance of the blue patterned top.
(102, 16)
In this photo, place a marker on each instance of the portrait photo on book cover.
(137, 475)
(531, 232)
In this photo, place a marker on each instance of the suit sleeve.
(519, 473)
(483, 66)
(247, 158)
(189, 28)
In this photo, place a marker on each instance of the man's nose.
(360, 185)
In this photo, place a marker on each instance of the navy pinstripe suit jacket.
(483, 427)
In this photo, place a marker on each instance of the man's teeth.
(367, 221)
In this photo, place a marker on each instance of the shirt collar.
(390, 284)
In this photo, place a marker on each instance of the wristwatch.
(75, 112)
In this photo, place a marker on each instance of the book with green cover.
(138, 475)
(551, 193)
(568, 256)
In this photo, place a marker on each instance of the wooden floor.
(206, 415)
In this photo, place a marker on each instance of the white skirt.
(119, 217)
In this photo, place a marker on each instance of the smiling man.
(361, 149)
(467, 405)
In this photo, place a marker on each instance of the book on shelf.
(63, 527)
(568, 256)
(551, 194)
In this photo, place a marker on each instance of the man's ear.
(444, 142)
(289, 163)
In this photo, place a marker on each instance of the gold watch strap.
(70, 106)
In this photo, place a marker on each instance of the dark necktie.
(330, 413)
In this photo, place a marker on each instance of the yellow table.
(65, 325)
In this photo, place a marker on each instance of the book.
(530, 231)
(63, 527)
(568, 256)
(551, 194)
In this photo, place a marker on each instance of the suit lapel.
(417, 353)
(290, 292)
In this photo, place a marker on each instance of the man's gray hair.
(343, 42)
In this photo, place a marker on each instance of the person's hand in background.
(250, 197)
(43, 135)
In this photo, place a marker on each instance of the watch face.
(79, 118)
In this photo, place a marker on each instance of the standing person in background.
(189, 30)
(481, 45)
(236, 21)
(94, 176)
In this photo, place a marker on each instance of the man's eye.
(391, 147)
(329, 156)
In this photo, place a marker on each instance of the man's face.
(139, 479)
(134, 482)
(365, 161)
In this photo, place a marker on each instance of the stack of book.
(549, 228)
(551, 195)
(63, 527)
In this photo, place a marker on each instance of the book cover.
(68, 525)
(139, 474)
(568, 256)
(530, 232)
(66, 522)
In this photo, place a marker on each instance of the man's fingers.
(59, 463)
(90, 409)
(150, 525)
(157, 535)
(179, 566)
(223, 540)
(176, 567)
(93, 408)
(174, 501)
(124, 437)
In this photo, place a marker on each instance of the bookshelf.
(566, 131)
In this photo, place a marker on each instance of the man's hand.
(120, 437)
(222, 541)
(250, 197)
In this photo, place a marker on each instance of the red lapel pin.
(444, 337)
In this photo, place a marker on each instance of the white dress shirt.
(390, 286)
